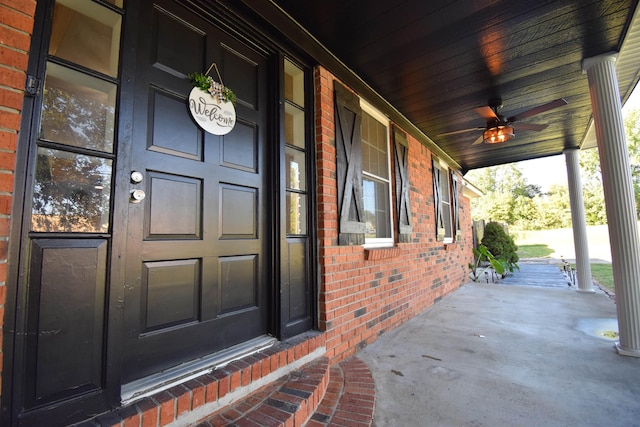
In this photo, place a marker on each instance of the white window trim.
(446, 174)
(386, 242)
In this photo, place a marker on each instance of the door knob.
(137, 196)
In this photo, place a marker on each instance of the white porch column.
(618, 197)
(578, 221)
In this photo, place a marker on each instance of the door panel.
(183, 195)
(197, 272)
(173, 131)
(239, 148)
(68, 285)
(238, 283)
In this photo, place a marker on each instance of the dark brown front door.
(106, 289)
(197, 268)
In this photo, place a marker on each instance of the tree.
(554, 210)
(592, 187)
(526, 212)
(632, 131)
(507, 196)
(592, 176)
(501, 179)
(531, 191)
(484, 179)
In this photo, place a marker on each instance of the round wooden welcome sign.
(211, 113)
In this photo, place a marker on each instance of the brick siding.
(16, 26)
(364, 293)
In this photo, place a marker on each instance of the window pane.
(376, 209)
(445, 202)
(375, 155)
(295, 169)
(444, 183)
(293, 83)
(446, 216)
(293, 126)
(296, 213)
(77, 109)
(71, 193)
(87, 34)
(366, 157)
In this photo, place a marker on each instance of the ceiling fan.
(499, 129)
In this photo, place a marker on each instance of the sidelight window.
(87, 34)
(77, 109)
(71, 192)
(295, 150)
(72, 184)
(296, 274)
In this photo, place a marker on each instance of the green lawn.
(603, 274)
(559, 244)
(534, 251)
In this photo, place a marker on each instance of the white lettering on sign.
(214, 116)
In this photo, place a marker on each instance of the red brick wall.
(16, 25)
(365, 293)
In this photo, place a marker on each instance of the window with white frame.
(376, 178)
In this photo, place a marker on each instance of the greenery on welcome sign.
(207, 84)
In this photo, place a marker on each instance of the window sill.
(381, 253)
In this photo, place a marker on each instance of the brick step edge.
(350, 397)
(171, 406)
(289, 401)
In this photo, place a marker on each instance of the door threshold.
(155, 383)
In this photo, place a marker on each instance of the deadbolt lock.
(136, 177)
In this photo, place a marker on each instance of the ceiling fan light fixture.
(498, 134)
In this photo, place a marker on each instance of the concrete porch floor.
(527, 352)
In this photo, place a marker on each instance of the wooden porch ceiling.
(436, 61)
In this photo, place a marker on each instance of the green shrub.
(499, 243)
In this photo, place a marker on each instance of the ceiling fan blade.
(455, 132)
(487, 113)
(531, 126)
(479, 140)
(539, 109)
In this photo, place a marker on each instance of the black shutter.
(437, 202)
(403, 205)
(349, 167)
(455, 206)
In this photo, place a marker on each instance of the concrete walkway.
(507, 355)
